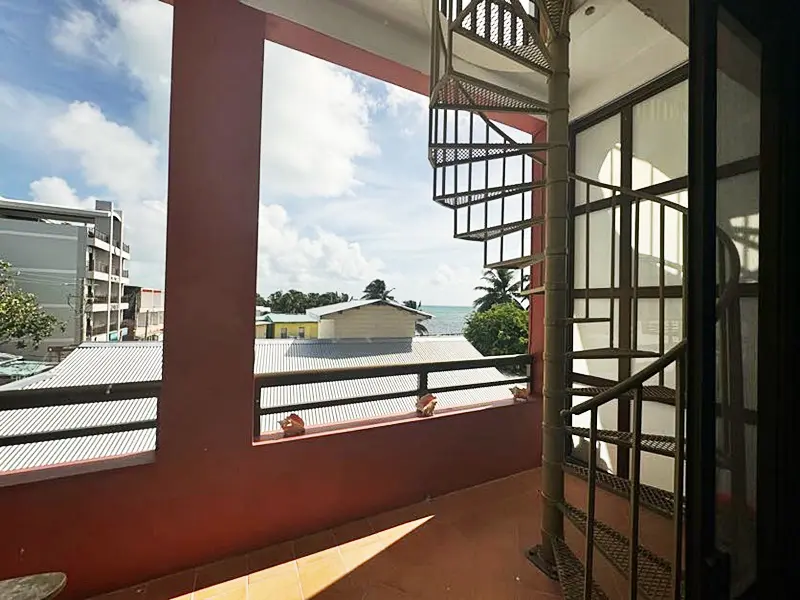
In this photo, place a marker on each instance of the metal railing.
(98, 235)
(13, 400)
(125, 273)
(421, 370)
(126, 248)
(632, 389)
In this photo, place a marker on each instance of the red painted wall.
(211, 493)
(116, 528)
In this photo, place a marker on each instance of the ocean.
(446, 319)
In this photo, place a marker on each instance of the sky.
(345, 184)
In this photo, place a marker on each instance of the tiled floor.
(469, 545)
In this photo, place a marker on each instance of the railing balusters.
(635, 300)
(486, 204)
(422, 383)
(502, 211)
(661, 283)
(590, 506)
(588, 254)
(612, 281)
(469, 167)
(633, 549)
(677, 517)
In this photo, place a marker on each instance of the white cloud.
(111, 155)
(410, 108)
(54, 190)
(76, 33)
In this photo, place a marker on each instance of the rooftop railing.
(21, 426)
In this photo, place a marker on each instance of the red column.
(212, 226)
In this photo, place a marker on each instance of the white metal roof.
(117, 362)
(339, 307)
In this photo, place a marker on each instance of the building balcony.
(328, 490)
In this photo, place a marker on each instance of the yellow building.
(278, 325)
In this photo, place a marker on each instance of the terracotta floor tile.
(469, 545)
(172, 586)
(317, 575)
(221, 572)
(230, 587)
(283, 586)
(353, 531)
(311, 544)
(270, 557)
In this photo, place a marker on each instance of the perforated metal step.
(571, 574)
(496, 231)
(611, 353)
(654, 572)
(504, 27)
(516, 263)
(459, 91)
(656, 393)
(654, 499)
(468, 198)
(451, 154)
(657, 444)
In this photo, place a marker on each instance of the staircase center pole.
(556, 286)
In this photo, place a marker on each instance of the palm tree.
(376, 290)
(500, 288)
(418, 326)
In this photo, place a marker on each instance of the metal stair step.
(452, 154)
(612, 353)
(656, 444)
(517, 263)
(654, 572)
(496, 231)
(459, 91)
(571, 573)
(654, 499)
(471, 197)
(524, 48)
(649, 392)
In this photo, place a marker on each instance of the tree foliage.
(376, 290)
(502, 329)
(500, 287)
(418, 326)
(22, 320)
(296, 302)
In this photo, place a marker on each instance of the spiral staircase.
(491, 180)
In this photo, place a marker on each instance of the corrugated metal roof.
(103, 363)
(287, 318)
(321, 311)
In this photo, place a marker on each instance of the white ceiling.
(614, 50)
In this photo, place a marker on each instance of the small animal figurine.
(426, 405)
(519, 394)
(292, 425)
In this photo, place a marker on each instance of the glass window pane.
(660, 142)
(601, 234)
(598, 156)
(738, 216)
(650, 241)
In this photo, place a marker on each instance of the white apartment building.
(75, 261)
(143, 319)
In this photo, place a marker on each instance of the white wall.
(368, 322)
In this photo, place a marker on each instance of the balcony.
(328, 477)
(98, 235)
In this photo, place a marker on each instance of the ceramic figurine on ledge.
(520, 394)
(292, 425)
(426, 405)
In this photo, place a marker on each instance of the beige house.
(367, 319)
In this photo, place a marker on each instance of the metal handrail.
(729, 294)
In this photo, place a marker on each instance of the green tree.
(501, 287)
(418, 326)
(297, 302)
(376, 290)
(260, 300)
(22, 320)
(502, 329)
